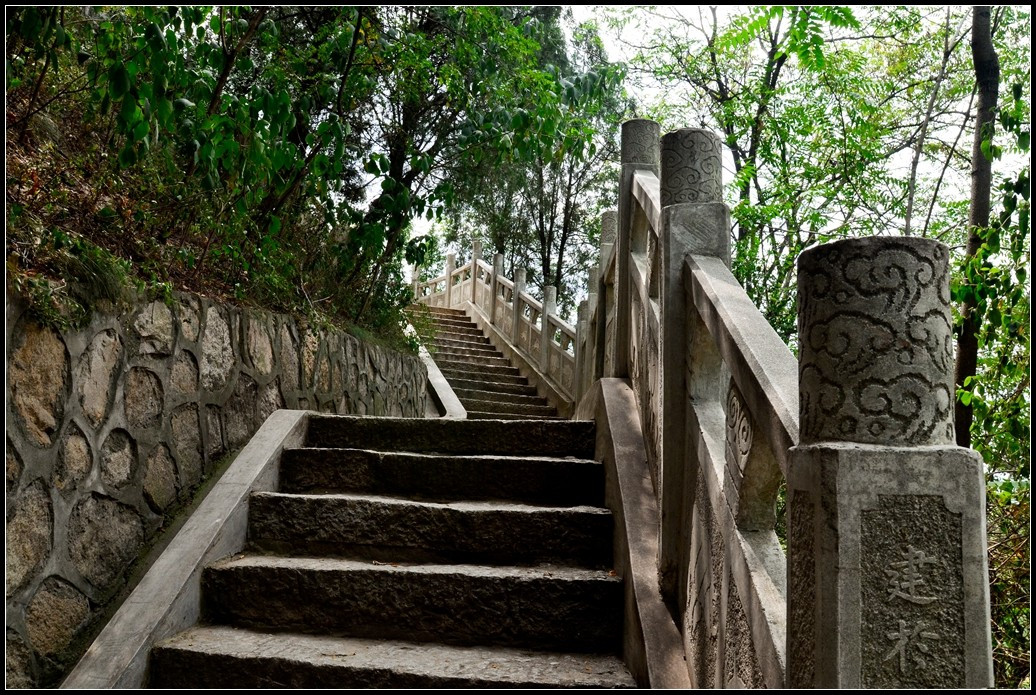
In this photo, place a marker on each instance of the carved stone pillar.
(887, 570)
(604, 338)
(694, 221)
(476, 256)
(494, 285)
(550, 296)
(451, 265)
(518, 308)
(639, 151)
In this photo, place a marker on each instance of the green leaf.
(127, 156)
(118, 81)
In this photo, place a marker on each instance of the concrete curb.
(167, 599)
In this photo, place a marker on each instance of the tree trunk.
(987, 79)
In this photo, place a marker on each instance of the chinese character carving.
(903, 638)
(905, 578)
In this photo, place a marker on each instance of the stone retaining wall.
(110, 430)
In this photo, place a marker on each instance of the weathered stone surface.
(103, 538)
(239, 413)
(118, 458)
(14, 467)
(160, 478)
(189, 308)
(96, 373)
(30, 530)
(183, 377)
(310, 345)
(269, 401)
(640, 142)
(405, 530)
(187, 442)
(74, 461)
(260, 346)
(493, 605)
(144, 398)
(323, 377)
(289, 359)
(228, 658)
(54, 616)
(18, 663)
(876, 355)
(692, 167)
(215, 442)
(38, 379)
(217, 358)
(154, 327)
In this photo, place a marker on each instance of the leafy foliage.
(275, 155)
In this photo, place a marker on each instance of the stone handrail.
(515, 314)
(720, 396)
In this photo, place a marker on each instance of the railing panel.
(762, 366)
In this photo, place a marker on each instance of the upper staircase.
(485, 381)
(416, 553)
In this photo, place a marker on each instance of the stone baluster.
(694, 221)
(550, 296)
(887, 569)
(581, 349)
(609, 221)
(516, 305)
(494, 285)
(451, 265)
(639, 150)
(476, 256)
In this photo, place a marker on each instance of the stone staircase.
(416, 553)
(485, 381)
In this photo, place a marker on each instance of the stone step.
(457, 340)
(465, 370)
(478, 360)
(546, 607)
(226, 657)
(460, 325)
(473, 344)
(464, 349)
(391, 529)
(448, 436)
(443, 311)
(487, 415)
(499, 397)
(458, 381)
(529, 479)
(497, 406)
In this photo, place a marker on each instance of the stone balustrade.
(884, 579)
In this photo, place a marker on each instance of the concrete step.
(447, 436)
(546, 607)
(466, 370)
(498, 406)
(227, 657)
(477, 360)
(500, 397)
(458, 381)
(391, 529)
(487, 415)
(528, 479)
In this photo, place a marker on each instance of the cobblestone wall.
(111, 428)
